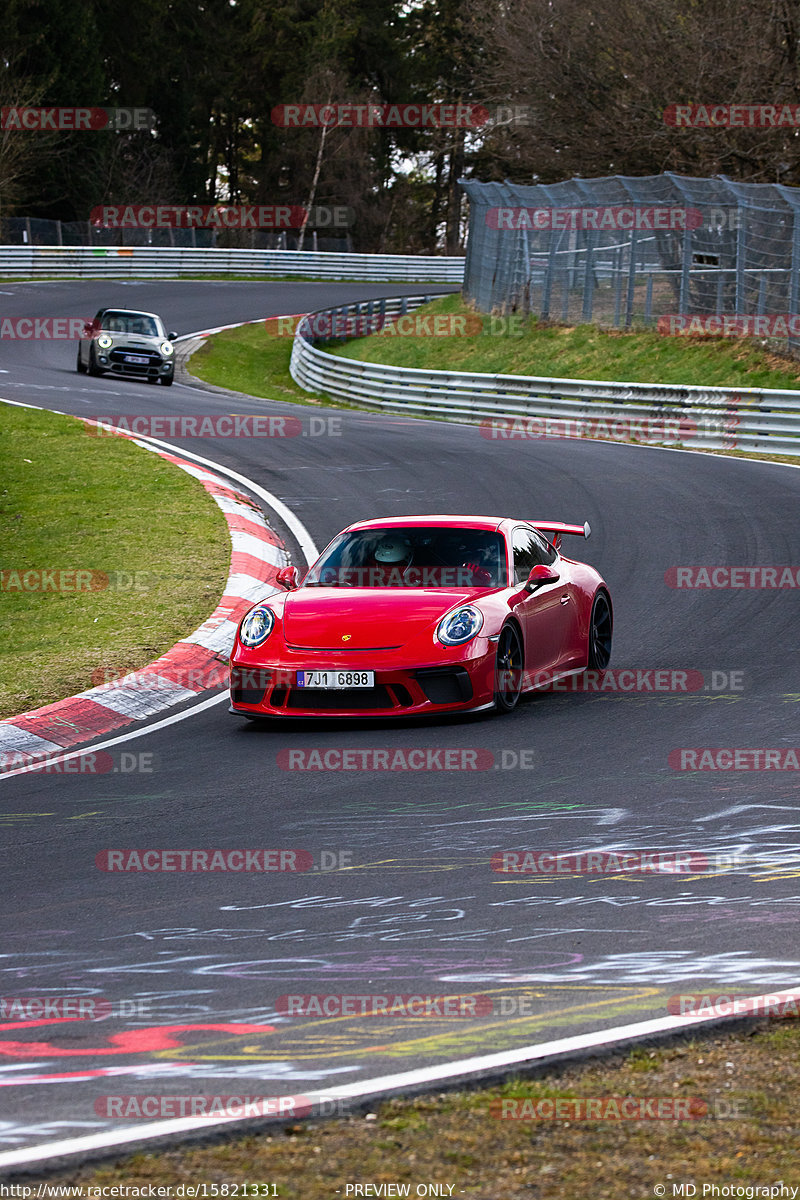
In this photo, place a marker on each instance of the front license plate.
(336, 680)
(137, 358)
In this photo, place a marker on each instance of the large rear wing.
(555, 530)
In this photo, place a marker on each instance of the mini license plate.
(335, 680)
(137, 358)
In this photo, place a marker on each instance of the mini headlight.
(257, 626)
(460, 626)
(104, 341)
(166, 348)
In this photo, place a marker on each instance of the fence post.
(547, 290)
(741, 250)
(617, 287)
(588, 278)
(686, 271)
(631, 280)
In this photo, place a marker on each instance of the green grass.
(749, 1081)
(72, 501)
(580, 352)
(250, 360)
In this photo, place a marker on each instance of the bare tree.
(596, 79)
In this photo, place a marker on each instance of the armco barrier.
(122, 262)
(724, 418)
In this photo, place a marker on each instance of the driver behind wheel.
(391, 557)
(474, 574)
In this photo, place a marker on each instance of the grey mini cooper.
(124, 342)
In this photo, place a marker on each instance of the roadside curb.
(195, 664)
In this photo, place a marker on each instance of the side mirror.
(171, 336)
(288, 577)
(540, 574)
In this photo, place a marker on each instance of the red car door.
(548, 614)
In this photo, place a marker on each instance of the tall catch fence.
(622, 251)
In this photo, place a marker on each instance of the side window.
(548, 554)
(530, 549)
(525, 555)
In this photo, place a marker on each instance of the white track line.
(293, 523)
(378, 1086)
(448, 1072)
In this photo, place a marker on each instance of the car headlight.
(104, 341)
(460, 626)
(166, 348)
(257, 626)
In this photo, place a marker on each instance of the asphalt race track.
(410, 903)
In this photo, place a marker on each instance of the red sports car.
(406, 616)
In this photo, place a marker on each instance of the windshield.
(125, 322)
(412, 556)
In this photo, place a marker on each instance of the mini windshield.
(126, 322)
(412, 556)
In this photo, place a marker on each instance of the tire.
(508, 669)
(93, 368)
(601, 628)
(166, 380)
(79, 367)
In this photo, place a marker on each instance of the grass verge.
(70, 501)
(580, 352)
(747, 1137)
(249, 359)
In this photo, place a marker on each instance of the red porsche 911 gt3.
(407, 616)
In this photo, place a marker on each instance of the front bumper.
(114, 361)
(454, 686)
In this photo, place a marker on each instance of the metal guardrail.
(521, 406)
(124, 261)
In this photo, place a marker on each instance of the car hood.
(369, 618)
(132, 339)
